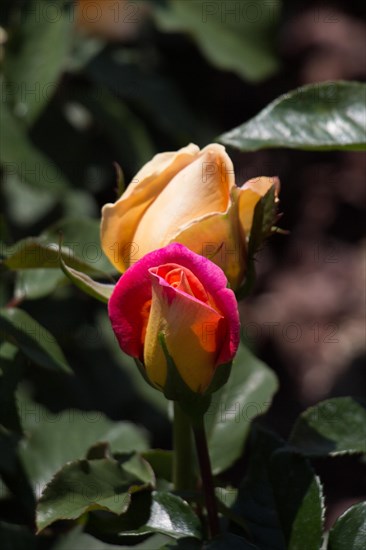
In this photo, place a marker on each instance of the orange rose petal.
(217, 237)
(201, 188)
(160, 169)
(120, 220)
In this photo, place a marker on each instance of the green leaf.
(170, 515)
(100, 291)
(325, 116)
(234, 36)
(247, 394)
(86, 485)
(299, 500)
(52, 439)
(35, 56)
(19, 156)
(37, 260)
(29, 204)
(32, 284)
(77, 540)
(12, 473)
(38, 252)
(82, 236)
(80, 204)
(18, 328)
(80, 248)
(255, 503)
(26, 204)
(161, 462)
(349, 531)
(226, 497)
(11, 369)
(332, 427)
(137, 515)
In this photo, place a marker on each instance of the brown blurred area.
(314, 277)
(111, 20)
(307, 316)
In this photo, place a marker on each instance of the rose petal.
(202, 188)
(128, 310)
(192, 335)
(218, 237)
(120, 220)
(182, 279)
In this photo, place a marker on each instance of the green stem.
(183, 454)
(206, 476)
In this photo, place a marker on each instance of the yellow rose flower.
(190, 197)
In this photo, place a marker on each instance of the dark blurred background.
(88, 88)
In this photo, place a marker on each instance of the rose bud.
(178, 300)
(190, 197)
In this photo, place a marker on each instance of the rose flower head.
(175, 299)
(188, 196)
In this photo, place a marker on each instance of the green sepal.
(142, 370)
(250, 278)
(263, 219)
(221, 376)
(265, 215)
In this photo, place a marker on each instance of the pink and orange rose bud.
(178, 295)
(190, 197)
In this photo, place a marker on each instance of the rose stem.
(183, 452)
(206, 476)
